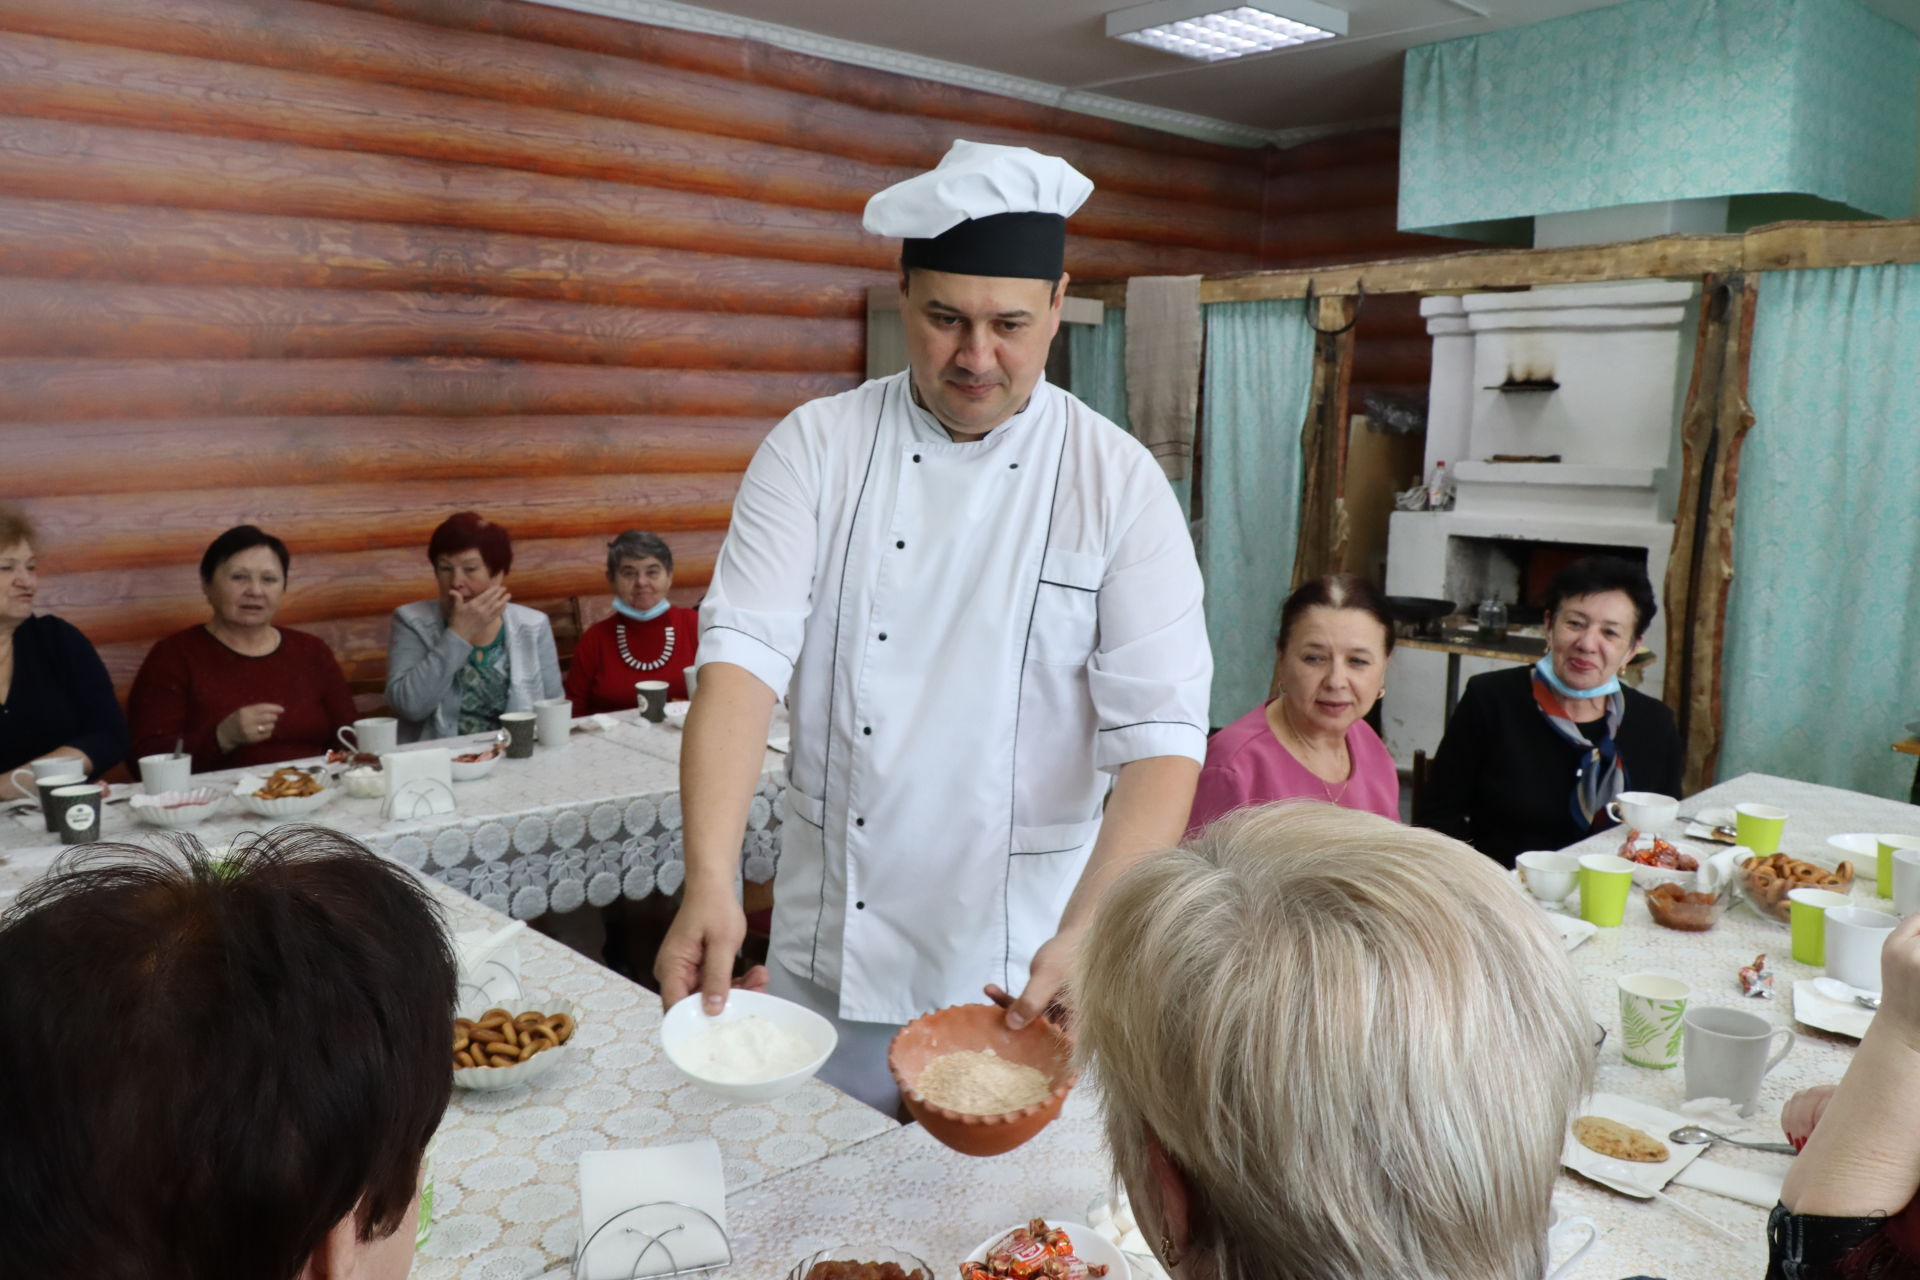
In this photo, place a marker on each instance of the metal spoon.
(1870, 999)
(1693, 1135)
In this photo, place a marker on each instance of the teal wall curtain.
(1822, 666)
(1659, 100)
(1253, 402)
(1097, 361)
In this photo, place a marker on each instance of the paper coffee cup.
(1759, 827)
(1604, 881)
(1807, 918)
(1652, 1006)
(1886, 847)
(520, 730)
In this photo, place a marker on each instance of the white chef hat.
(985, 210)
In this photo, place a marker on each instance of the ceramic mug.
(1644, 810)
(165, 772)
(58, 770)
(693, 681)
(1906, 881)
(1549, 876)
(373, 735)
(553, 721)
(1725, 1053)
(1651, 1007)
(1855, 936)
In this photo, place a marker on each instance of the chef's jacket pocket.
(799, 883)
(1044, 867)
(1066, 609)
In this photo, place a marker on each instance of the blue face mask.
(1545, 668)
(626, 610)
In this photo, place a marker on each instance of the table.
(581, 824)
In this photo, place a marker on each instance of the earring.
(1166, 1251)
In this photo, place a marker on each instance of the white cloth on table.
(976, 636)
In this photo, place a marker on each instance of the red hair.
(471, 531)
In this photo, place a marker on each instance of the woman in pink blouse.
(1310, 743)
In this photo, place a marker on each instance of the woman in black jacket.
(1533, 755)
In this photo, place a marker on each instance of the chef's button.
(859, 906)
(868, 731)
(859, 822)
(916, 457)
(883, 635)
(900, 546)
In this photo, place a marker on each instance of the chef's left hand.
(1045, 981)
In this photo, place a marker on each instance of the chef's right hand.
(698, 952)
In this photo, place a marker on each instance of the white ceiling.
(1063, 43)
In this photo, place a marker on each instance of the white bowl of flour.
(759, 1046)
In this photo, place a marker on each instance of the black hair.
(212, 1062)
(242, 537)
(1335, 591)
(1595, 574)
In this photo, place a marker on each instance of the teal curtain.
(1097, 365)
(1658, 100)
(1821, 669)
(1253, 402)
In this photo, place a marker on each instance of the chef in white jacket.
(980, 601)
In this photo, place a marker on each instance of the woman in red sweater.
(239, 690)
(647, 638)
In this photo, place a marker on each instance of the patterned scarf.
(1601, 774)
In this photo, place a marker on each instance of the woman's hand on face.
(252, 723)
(477, 620)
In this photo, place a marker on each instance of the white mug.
(45, 767)
(1558, 1235)
(553, 721)
(373, 735)
(1549, 876)
(165, 772)
(1906, 881)
(1855, 936)
(693, 681)
(1725, 1054)
(1644, 810)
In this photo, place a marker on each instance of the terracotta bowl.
(980, 1026)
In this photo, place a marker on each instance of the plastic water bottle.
(1438, 489)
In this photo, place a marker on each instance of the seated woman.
(1358, 1055)
(457, 663)
(231, 1149)
(237, 689)
(1850, 1209)
(56, 698)
(647, 638)
(1310, 742)
(1533, 754)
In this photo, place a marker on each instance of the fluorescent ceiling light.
(1194, 29)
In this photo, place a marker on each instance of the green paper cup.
(1652, 1006)
(1758, 826)
(1807, 917)
(1604, 881)
(1883, 865)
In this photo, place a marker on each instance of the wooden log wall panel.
(609, 68)
(58, 318)
(67, 80)
(171, 526)
(250, 452)
(68, 239)
(342, 268)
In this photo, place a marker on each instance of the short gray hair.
(637, 544)
(1356, 1039)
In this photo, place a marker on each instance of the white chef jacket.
(971, 638)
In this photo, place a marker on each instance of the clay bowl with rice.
(956, 1091)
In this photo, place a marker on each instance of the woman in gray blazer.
(456, 663)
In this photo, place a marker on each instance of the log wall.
(342, 268)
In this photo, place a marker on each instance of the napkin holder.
(419, 783)
(656, 1226)
(654, 1211)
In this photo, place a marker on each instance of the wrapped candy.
(1033, 1252)
(1756, 980)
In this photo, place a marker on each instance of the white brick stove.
(1620, 355)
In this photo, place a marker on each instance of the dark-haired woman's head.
(244, 575)
(469, 554)
(220, 1067)
(1335, 637)
(1597, 611)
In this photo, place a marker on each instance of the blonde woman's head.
(1355, 1042)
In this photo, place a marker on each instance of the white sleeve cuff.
(721, 643)
(1124, 744)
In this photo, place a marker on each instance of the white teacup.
(1549, 876)
(37, 771)
(1855, 936)
(1644, 810)
(371, 735)
(1906, 881)
(553, 721)
(693, 681)
(165, 772)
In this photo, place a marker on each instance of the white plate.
(1817, 1003)
(176, 810)
(1089, 1246)
(1627, 1176)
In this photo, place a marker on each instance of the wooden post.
(1323, 442)
(1700, 569)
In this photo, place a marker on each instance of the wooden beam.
(1323, 442)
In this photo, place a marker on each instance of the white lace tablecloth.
(585, 823)
(506, 1164)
